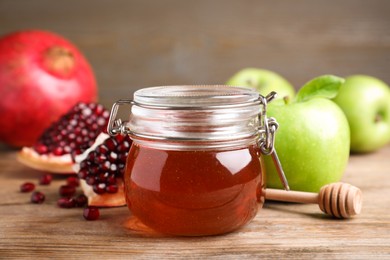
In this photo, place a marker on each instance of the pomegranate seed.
(112, 188)
(106, 114)
(84, 132)
(67, 190)
(91, 156)
(111, 144)
(102, 149)
(102, 178)
(27, 187)
(124, 147)
(37, 197)
(84, 164)
(112, 157)
(90, 180)
(113, 168)
(122, 157)
(111, 179)
(66, 203)
(105, 166)
(75, 131)
(100, 188)
(91, 213)
(83, 173)
(87, 112)
(45, 179)
(68, 149)
(73, 181)
(81, 200)
(58, 151)
(94, 169)
(99, 109)
(41, 148)
(101, 158)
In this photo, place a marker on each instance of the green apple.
(366, 103)
(313, 137)
(264, 81)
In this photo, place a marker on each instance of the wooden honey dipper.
(339, 199)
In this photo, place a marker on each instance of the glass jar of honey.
(195, 165)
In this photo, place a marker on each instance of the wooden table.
(279, 231)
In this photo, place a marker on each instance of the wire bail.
(116, 126)
(267, 130)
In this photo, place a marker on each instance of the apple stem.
(378, 117)
(286, 100)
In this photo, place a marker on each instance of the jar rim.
(195, 97)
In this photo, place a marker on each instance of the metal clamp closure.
(116, 126)
(267, 130)
(267, 126)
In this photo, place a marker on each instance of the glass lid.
(195, 96)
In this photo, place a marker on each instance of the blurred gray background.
(139, 43)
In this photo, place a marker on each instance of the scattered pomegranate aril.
(66, 203)
(45, 179)
(67, 190)
(37, 197)
(27, 187)
(91, 213)
(81, 200)
(72, 202)
(70, 136)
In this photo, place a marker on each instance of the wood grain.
(280, 230)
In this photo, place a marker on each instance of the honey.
(195, 165)
(194, 192)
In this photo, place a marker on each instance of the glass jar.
(195, 166)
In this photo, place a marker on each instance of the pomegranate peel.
(106, 199)
(46, 162)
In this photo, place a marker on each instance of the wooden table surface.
(280, 230)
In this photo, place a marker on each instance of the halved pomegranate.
(101, 170)
(70, 136)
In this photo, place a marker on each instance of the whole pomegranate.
(42, 75)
